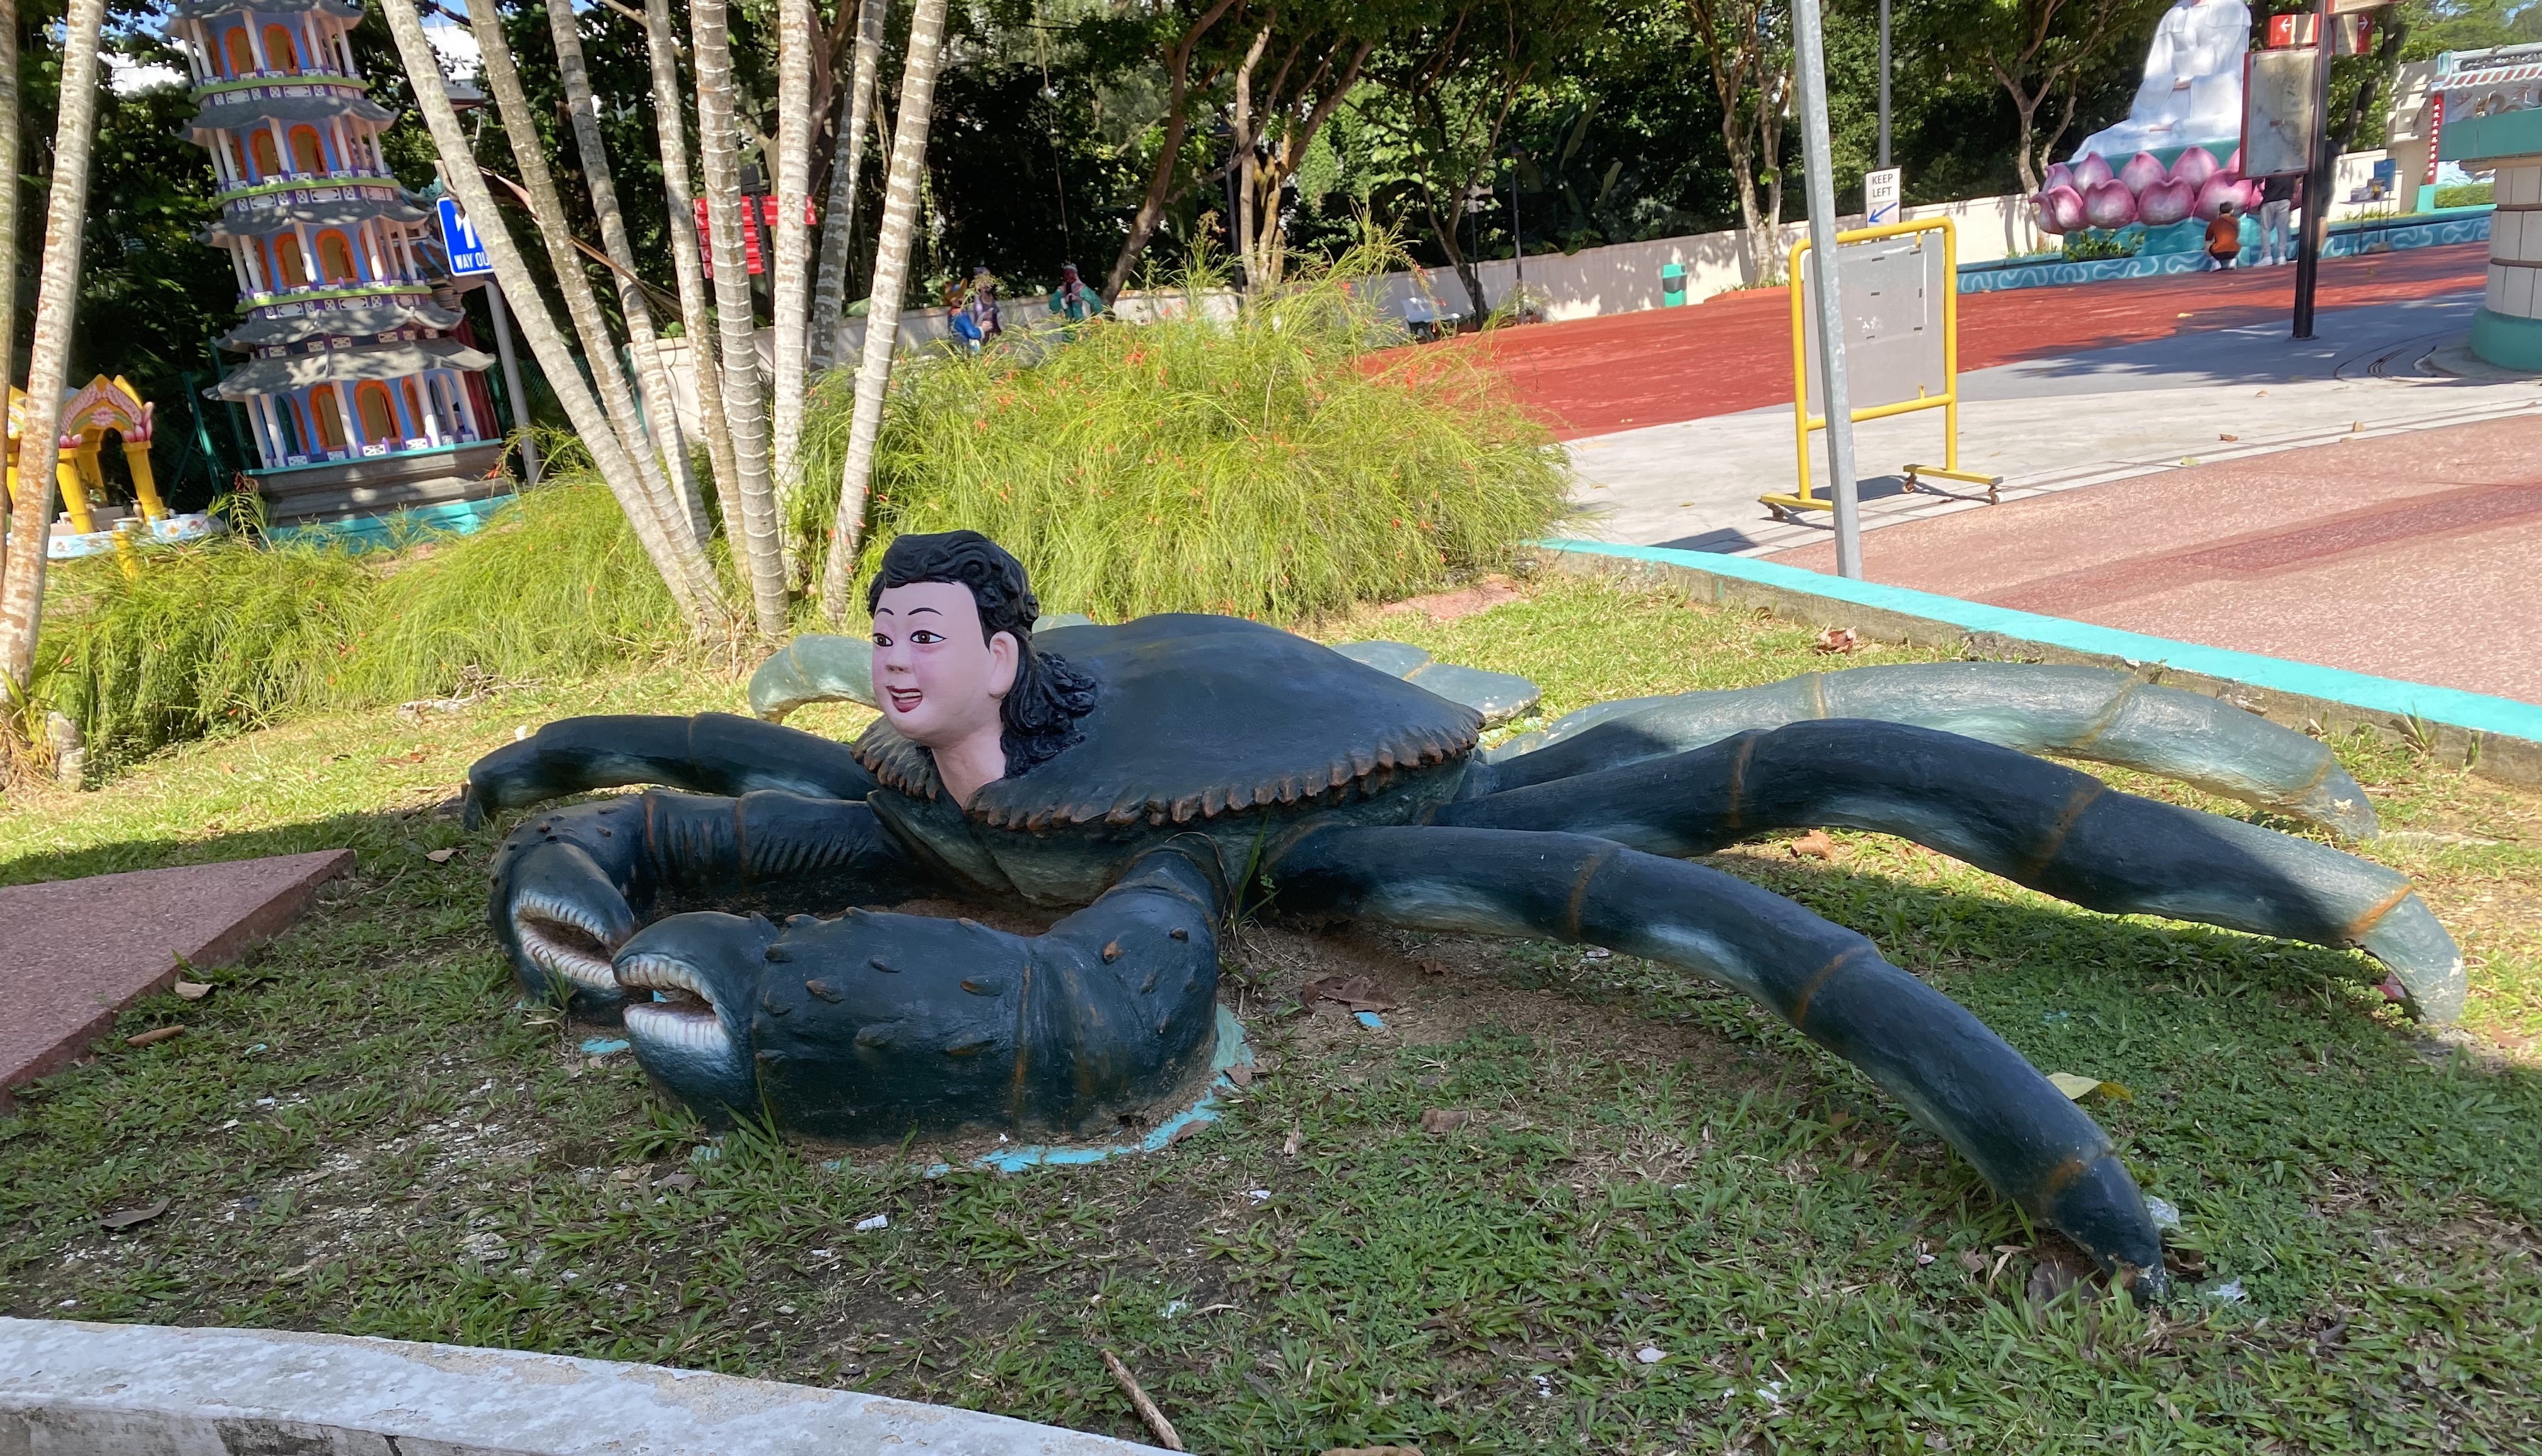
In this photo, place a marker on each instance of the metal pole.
(1884, 83)
(2316, 186)
(512, 380)
(1518, 240)
(1809, 62)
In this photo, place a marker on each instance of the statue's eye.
(925, 639)
(881, 641)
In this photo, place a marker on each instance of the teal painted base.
(2364, 235)
(2508, 342)
(398, 529)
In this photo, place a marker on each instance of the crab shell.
(1203, 723)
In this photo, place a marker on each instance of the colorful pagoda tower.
(364, 392)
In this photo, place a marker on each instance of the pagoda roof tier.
(229, 116)
(335, 212)
(283, 373)
(207, 8)
(262, 333)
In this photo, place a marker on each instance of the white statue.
(2192, 84)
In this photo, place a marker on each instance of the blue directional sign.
(466, 251)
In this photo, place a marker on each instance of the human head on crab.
(954, 667)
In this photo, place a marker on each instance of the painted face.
(940, 685)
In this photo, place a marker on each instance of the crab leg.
(712, 753)
(2100, 714)
(872, 1026)
(570, 886)
(2054, 829)
(1959, 1078)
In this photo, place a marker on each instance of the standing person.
(1072, 300)
(2224, 239)
(2277, 208)
(984, 303)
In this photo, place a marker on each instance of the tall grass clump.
(1272, 465)
(230, 634)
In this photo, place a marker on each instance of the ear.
(1005, 656)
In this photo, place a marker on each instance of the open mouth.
(903, 699)
(679, 1013)
(565, 940)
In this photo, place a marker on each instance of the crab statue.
(1146, 776)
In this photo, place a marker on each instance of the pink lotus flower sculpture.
(2088, 193)
(2110, 205)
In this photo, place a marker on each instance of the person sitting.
(2223, 238)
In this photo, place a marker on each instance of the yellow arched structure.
(106, 406)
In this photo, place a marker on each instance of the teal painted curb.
(2507, 342)
(2474, 712)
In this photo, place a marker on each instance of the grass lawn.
(1668, 1225)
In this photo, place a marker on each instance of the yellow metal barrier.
(1947, 402)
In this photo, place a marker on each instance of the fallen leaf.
(677, 1182)
(191, 991)
(439, 856)
(156, 1035)
(1430, 968)
(1816, 845)
(2050, 1277)
(1972, 1260)
(1439, 1121)
(1241, 1074)
(1838, 640)
(1192, 1129)
(2228, 439)
(1372, 1451)
(126, 1217)
(2075, 1088)
(1354, 994)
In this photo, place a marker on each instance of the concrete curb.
(2496, 737)
(72, 1389)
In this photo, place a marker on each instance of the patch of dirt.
(1482, 596)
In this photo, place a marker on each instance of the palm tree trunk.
(846, 165)
(704, 609)
(790, 257)
(9, 191)
(22, 595)
(882, 315)
(745, 406)
(599, 346)
(679, 197)
(662, 414)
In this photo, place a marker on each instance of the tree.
(1442, 94)
(643, 339)
(22, 589)
(882, 313)
(1314, 57)
(678, 569)
(846, 165)
(663, 53)
(761, 552)
(1187, 32)
(2038, 51)
(1751, 61)
(792, 188)
(600, 349)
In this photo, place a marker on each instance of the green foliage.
(1268, 465)
(2094, 245)
(229, 635)
(2467, 194)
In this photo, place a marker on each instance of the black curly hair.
(1041, 710)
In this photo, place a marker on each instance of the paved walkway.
(2411, 557)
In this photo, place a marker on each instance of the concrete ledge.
(2496, 737)
(69, 1389)
(2507, 342)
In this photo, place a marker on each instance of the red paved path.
(1593, 375)
(2410, 557)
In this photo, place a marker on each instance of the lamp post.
(1810, 65)
(1884, 84)
(1518, 237)
(2317, 179)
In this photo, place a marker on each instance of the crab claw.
(560, 916)
(692, 983)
